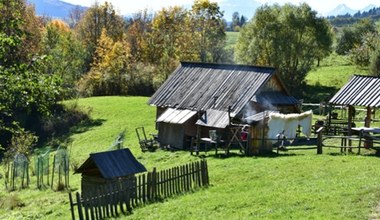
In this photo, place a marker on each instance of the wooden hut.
(199, 97)
(108, 167)
(359, 91)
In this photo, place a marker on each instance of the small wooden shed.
(106, 167)
(199, 97)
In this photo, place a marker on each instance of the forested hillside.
(347, 19)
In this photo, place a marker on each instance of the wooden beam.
(367, 120)
(349, 126)
(329, 119)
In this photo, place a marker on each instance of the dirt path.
(376, 213)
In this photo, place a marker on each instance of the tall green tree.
(27, 92)
(19, 36)
(289, 38)
(352, 37)
(375, 63)
(235, 21)
(65, 55)
(208, 29)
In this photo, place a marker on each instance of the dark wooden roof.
(359, 91)
(112, 164)
(202, 86)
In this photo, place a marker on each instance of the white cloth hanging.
(289, 123)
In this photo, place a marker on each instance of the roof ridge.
(226, 65)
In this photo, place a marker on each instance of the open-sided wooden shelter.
(359, 91)
(198, 97)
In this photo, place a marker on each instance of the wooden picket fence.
(119, 197)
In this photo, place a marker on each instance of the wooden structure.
(359, 91)
(106, 168)
(146, 144)
(199, 97)
(109, 200)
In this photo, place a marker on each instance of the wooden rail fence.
(120, 196)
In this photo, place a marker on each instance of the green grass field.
(231, 38)
(293, 185)
(324, 81)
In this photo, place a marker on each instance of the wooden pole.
(52, 174)
(79, 205)
(198, 135)
(320, 139)
(350, 111)
(71, 206)
(367, 121)
(329, 119)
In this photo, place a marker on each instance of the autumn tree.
(138, 36)
(172, 41)
(109, 71)
(94, 20)
(208, 28)
(289, 38)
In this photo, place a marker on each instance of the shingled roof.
(359, 91)
(112, 164)
(202, 86)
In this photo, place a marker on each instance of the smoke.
(267, 105)
(249, 110)
(264, 105)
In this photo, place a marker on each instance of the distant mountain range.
(343, 9)
(53, 8)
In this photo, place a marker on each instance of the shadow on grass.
(242, 155)
(86, 125)
(63, 138)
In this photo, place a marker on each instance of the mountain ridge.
(62, 9)
(54, 8)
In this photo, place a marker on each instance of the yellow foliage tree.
(109, 71)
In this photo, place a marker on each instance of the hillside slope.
(293, 185)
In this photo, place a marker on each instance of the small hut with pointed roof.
(107, 167)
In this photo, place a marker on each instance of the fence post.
(206, 172)
(154, 183)
(79, 204)
(71, 206)
(319, 141)
(148, 186)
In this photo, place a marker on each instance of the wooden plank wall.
(119, 197)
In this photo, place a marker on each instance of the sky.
(126, 7)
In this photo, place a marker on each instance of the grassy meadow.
(324, 81)
(292, 185)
